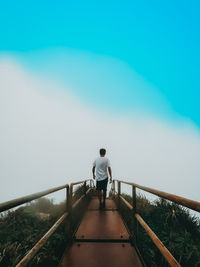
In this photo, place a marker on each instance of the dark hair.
(102, 151)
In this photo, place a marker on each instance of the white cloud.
(49, 138)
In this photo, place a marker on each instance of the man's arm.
(93, 172)
(110, 173)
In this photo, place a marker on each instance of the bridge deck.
(101, 240)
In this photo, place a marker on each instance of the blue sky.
(157, 40)
(77, 76)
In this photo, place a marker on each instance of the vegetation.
(21, 229)
(175, 227)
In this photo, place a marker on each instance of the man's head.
(102, 152)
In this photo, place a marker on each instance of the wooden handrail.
(165, 252)
(19, 201)
(126, 203)
(194, 205)
(79, 182)
(41, 242)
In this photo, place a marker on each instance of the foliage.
(175, 227)
(21, 229)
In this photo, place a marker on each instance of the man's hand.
(110, 174)
(93, 172)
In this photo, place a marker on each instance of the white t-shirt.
(101, 164)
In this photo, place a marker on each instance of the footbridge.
(102, 238)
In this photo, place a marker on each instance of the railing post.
(134, 203)
(119, 192)
(70, 198)
(68, 209)
(85, 188)
(67, 198)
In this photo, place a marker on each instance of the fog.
(50, 137)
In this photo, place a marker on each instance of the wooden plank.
(94, 204)
(102, 225)
(94, 254)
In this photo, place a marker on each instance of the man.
(102, 167)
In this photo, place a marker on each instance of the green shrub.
(21, 229)
(174, 226)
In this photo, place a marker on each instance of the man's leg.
(99, 197)
(104, 192)
(99, 194)
(104, 198)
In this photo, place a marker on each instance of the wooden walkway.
(101, 240)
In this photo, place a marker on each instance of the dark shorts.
(102, 185)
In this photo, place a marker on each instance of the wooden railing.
(194, 205)
(69, 208)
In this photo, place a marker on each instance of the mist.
(49, 137)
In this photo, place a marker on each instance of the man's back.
(101, 164)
